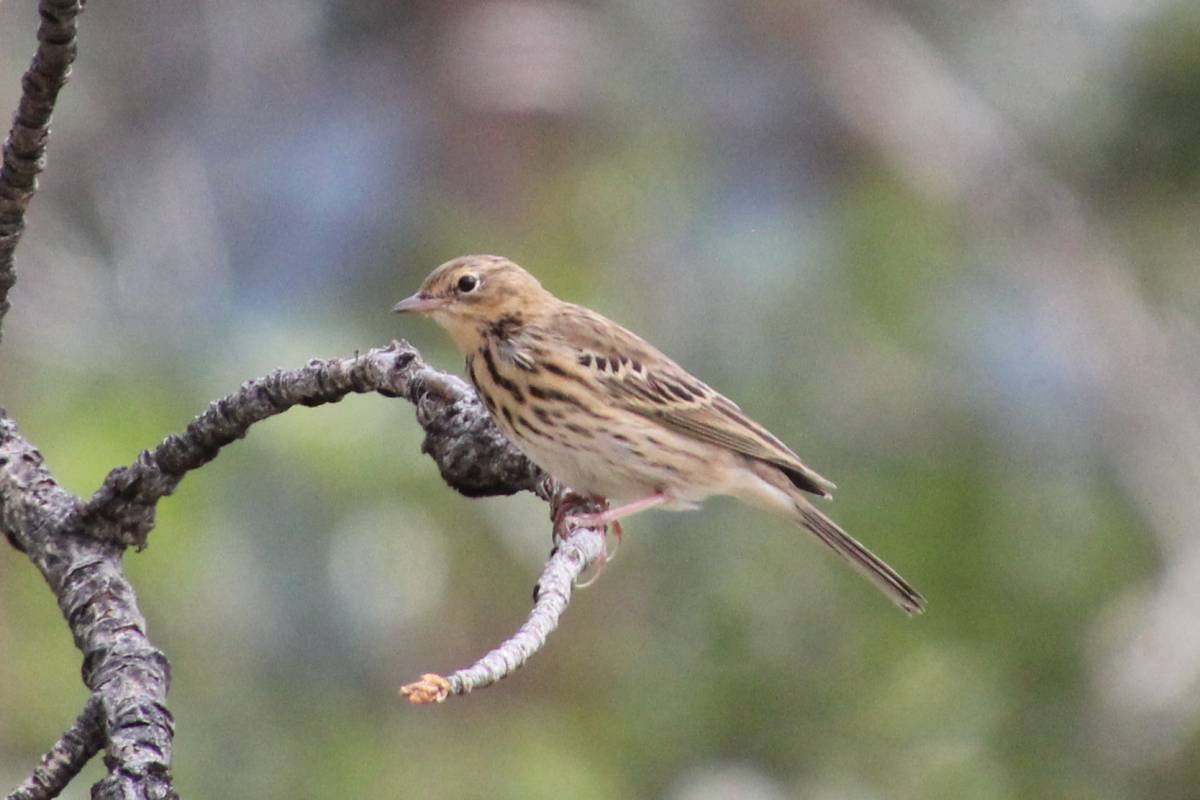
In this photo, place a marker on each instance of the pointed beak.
(419, 303)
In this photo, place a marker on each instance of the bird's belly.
(629, 460)
(587, 473)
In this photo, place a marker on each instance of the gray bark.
(25, 146)
(78, 546)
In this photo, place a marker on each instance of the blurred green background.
(945, 250)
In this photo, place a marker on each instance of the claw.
(609, 555)
(607, 519)
(599, 571)
(617, 534)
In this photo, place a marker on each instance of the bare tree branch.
(25, 146)
(78, 546)
(472, 454)
(128, 676)
(573, 553)
(64, 760)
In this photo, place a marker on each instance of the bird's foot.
(585, 519)
(608, 516)
(559, 519)
(612, 516)
(596, 573)
(573, 522)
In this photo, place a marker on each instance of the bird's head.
(469, 293)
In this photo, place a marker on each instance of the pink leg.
(611, 515)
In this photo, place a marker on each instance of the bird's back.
(575, 388)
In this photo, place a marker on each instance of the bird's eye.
(467, 283)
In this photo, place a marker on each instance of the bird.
(614, 418)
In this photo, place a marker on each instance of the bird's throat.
(465, 333)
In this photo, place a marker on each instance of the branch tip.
(431, 688)
(572, 553)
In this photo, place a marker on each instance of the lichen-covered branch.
(573, 552)
(78, 546)
(128, 676)
(472, 454)
(63, 761)
(25, 145)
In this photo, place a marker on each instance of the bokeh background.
(947, 250)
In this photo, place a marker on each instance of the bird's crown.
(480, 281)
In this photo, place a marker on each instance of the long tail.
(887, 579)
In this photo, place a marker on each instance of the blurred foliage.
(238, 187)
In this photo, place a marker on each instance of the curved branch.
(25, 146)
(472, 454)
(78, 546)
(128, 676)
(572, 554)
(66, 758)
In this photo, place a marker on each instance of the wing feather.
(643, 380)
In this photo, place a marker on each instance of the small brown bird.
(609, 415)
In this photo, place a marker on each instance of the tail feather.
(887, 579)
